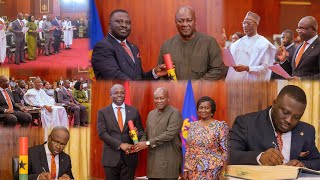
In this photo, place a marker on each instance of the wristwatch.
(148, 143)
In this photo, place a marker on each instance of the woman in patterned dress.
(206, 147)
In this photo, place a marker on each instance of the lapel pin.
(301, 133)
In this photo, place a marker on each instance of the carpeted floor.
(76, 57)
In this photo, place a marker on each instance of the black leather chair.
(15, 168)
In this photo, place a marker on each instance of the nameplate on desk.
(268, 172)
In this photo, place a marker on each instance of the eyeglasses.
(119, 93)
(56, 143)
(302, 28)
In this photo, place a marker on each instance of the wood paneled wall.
(142, 99)
(47, 74)
(153, 22)
(10, 146)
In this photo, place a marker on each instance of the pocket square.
(138, 55)
(304, 154)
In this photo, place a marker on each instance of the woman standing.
(32, 38)
(206, 148)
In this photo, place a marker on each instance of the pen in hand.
(44, 170)
(275, 145)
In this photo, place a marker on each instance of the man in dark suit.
(306, 60)
(19, 92)
(287, 42)
(116, 58)
(79, 111)
(10, 111)
(48, 161)
(118, 159)
(56, 34)
(276, 135)
(19, 38)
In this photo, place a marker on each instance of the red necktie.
(125, 47)
(279, 141)
(298, 58)
(120, 121)
(53, 172)
(21, 23)
(70, 96)
(8, 100)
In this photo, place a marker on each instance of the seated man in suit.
(79, 111)
(113, 130)
(10, 111)
(276, 135)
(306, 59)
(19, 92)
(48, 161)
(116, 58)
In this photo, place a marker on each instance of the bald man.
(19, 38)
(162, 139)
(48, 161)
(113, 130)
(306, 59)
(10, 111)
(195, 55)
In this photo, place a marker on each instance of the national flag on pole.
(189, 114)
(95, 29)
(23, 158)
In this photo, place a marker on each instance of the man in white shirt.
(48, 161)
(67, 33)
(3, 41)
(252, 53)
(275, 136)
(51, 115)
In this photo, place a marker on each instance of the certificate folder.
(280, 172)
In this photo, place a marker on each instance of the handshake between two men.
(137, 146)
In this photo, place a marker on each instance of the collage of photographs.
(159, 89)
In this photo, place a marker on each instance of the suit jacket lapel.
(112, 117)
(128, 111)
(268, 131)
(43, 159)
(307, 52)
(296, 142)
(61, 163)
(118, 46)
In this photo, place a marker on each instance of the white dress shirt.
(123, 111)
(286, 139)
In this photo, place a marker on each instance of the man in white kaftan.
(67, 33)
(252, 54)
(3, 41)
(51, 115)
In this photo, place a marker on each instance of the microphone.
(169, 65)
(133, 133)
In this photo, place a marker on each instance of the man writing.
(116, 58)
(276, 135)
(113, 130)
(48, 161)
(162, 139)
(195, 55)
